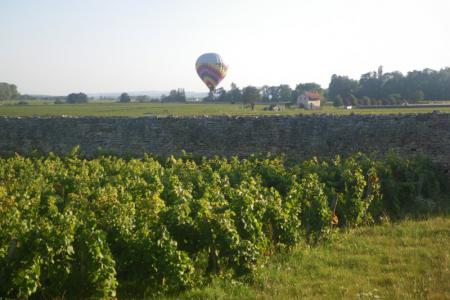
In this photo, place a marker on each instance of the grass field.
(112, 109)
(410, 260)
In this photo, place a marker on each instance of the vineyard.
(99, 228)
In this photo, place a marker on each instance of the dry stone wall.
(296, 136)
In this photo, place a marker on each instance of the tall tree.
(250, 95)
(393, 83)
(265, 93)
(370, 85)
(235, 93)
(343, 86)
(8, 91)
(274, 93)
(285, 92)
(221, 95)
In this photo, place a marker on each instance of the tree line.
(373, 88)
(376, 88)
(266, 94)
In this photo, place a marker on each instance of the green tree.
(370, 84)
(8, 91)
(342, 85)
(265, 93)
(393, 83)
(178, 95)
(235, 93)
(222, 95)
(250, 95)
(274, 93)
(124, 98)
(285, 92)
(77, 98)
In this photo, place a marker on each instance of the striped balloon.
(211, 69)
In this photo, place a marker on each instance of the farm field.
(111, 109)
(407, 260)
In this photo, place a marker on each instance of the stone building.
(309, 100)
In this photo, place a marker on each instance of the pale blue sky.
(57, 47)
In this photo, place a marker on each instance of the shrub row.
(78, 228)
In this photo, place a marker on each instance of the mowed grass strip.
(114, 109)
(409, 260)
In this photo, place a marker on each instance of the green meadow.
(113, 109)
(406, 260)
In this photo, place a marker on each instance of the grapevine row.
(97, 228)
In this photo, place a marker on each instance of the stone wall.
(296, 136)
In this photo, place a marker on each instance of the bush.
(366, 101)
(352, 100)
(338, 101)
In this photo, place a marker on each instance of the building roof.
(312, 95)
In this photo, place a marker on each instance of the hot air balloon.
(211, 69)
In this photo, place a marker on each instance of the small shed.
(309, 100)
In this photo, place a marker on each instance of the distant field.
(112, 109)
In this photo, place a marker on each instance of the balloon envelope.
(211, 69)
